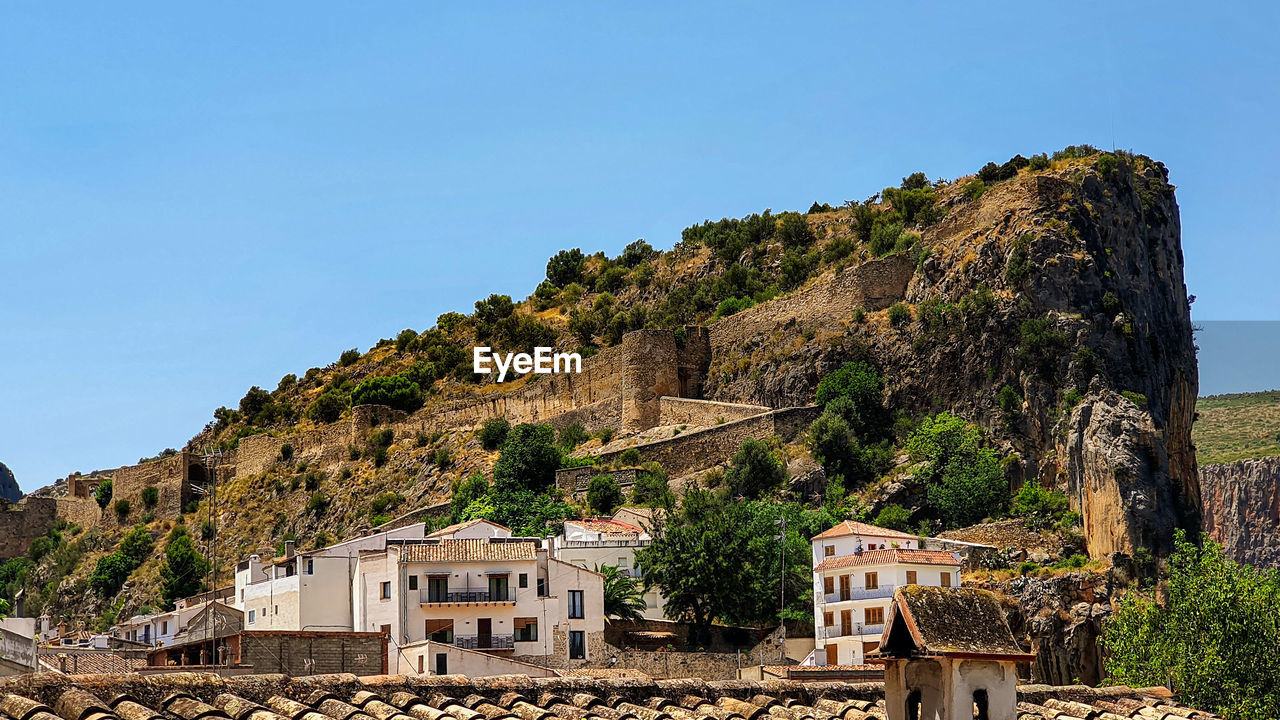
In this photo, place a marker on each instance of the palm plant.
(623, 595)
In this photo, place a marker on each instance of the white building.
(496, 595)
(607, 541)
(856, 568)
(157, 629)
(307, 591)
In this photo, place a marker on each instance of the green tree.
(571, 436)
(962, 477)
(604, 494)
(1038, 506)
(754, 471)
(150, 496)
(110, 574)
(136, 545)
(493, 433)
(565, 267)
(528, 461)
(1215, 641)
(102, 494)
(637, 252)
(467, 492)
(652, 488)
(184, 568)
(623, 594)
(857, 391)
(894, 517)
(718, 559)
(327, 407)
(254, 401)
(396, 391)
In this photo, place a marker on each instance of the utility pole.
(782, 586)
(211, 460)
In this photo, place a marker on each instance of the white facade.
(308, 591)
(857, 567)
(498, 595)
(157, 629)
(608, 541)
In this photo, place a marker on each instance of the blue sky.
(197, 199)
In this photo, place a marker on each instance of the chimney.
(290, 548)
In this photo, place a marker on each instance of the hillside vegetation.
(1237, 427)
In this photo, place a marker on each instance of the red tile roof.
(470, 550)
(850, 527)
(890, 556)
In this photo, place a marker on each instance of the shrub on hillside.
(729, 306)
(604, 494)
(1038, 506)
(793, 231)
(636, 253)
(528, 461)
(963, 479)
(571, 436)
(348, 357)
(894, 517)
(395, 391)
(651, 487)
(327, 407)
(630, 456)
(150, 496)
(754, 471)
(493, 433)
(102, 494)
(899, 314)
(565, 267)
(122, 507)
(406, 340)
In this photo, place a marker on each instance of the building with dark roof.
(949, 654)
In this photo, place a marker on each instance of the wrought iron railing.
(467, 596)
(484, 642)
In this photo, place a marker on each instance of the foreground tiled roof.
(89, 663)
(191, 696)
(851, 527)
(891, 556)
(469, 551)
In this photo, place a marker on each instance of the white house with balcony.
(856, 568)
(310, 590)
(498, 596)
(608, 541)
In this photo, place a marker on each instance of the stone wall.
(703, 448)
(24, 522)
(827, 303)
(649, 371)
(172, 477)
(314, 653)
(574, 481)
(703, 413)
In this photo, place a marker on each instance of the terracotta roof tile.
(471, 550)
(606, 526)
(850, 527)
(584, 694)
(890, 556)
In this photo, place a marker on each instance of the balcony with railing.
(852, 630)
(883, 591)
(466, 597)
(484, 642)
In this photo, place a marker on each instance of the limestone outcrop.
(1242, 509)
(9, 489)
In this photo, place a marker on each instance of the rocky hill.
(1041, 300)
(9, 489)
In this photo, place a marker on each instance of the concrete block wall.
(308, 653)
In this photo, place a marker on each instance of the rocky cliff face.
(1066, 287)
(1242, 509)
(9, 489)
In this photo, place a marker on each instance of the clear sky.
(194, 200)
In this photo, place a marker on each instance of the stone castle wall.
(700, 449)
(703, 413)
(172, 477)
